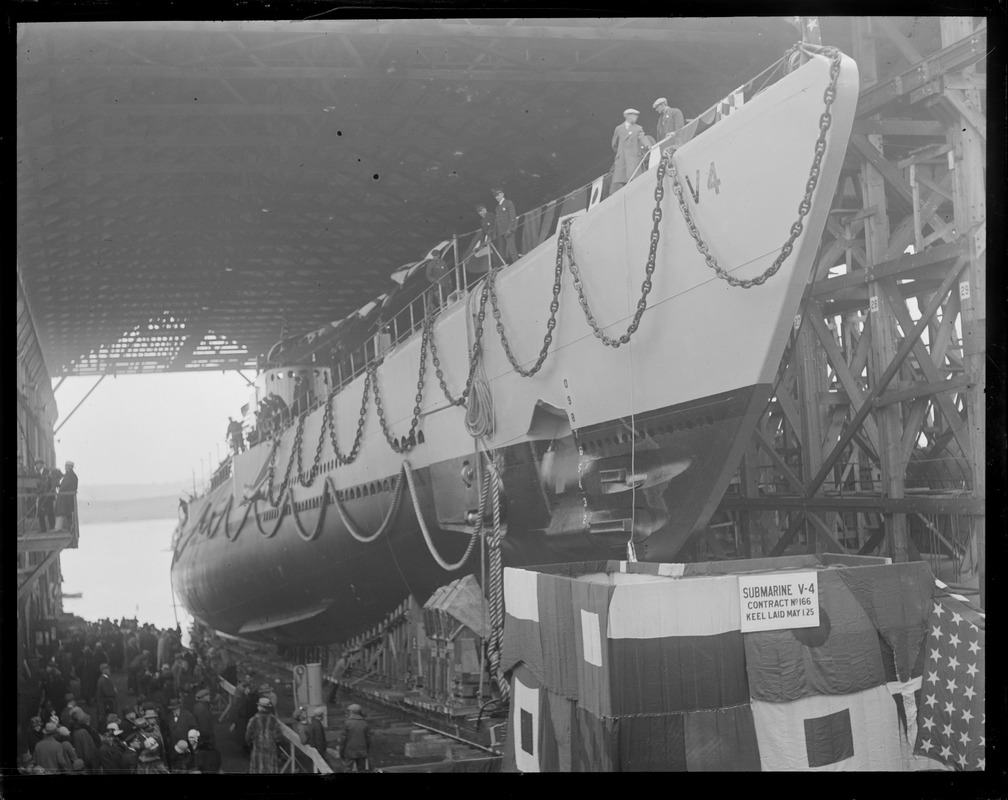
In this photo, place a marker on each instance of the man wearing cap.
(106, 694)
(263, 734)
(356, 739)
(316, 732)
(505, 225)
(629, 144)
(669, 119)
(65, 498)
(204, 719)
(50, 753)
(63, 737)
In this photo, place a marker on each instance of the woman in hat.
(150, 759)
(263, 734)
(182, 758)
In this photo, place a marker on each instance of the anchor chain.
(825, 121)
(474, 355)
(409, 441)
(565, 245)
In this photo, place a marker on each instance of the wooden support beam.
(899, 127)
(926, 364)
(888, 170)
(971, 215)
(786, 537)
(952, 58)
(883, 381)
(923, 390)
(928, 504)
(24, 589)
(971, 114)
(779, 462)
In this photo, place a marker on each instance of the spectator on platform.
(262, 735)
(150, 759)
(164, 644)
(265, 690)
(182, 758)
(63, 737)
(300, 725)
(206, 759)
(240, 711)
(66, 714)
(203, 717)
(106, 694)
(35, 734)
(179, 724)
(110, 751)
(65, 498)
(82, 737)
(317, 734)
(356, 742)
(49, 752)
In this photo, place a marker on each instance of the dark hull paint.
(330, 588)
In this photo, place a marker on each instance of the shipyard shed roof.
(185, 190)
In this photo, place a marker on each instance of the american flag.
(951, 721)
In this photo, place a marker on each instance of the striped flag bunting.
(627, 666)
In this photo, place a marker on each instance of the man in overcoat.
(629, 143)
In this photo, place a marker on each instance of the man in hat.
(505, 225)
(204, 719)
(49, 752)
(316, 732)
(152, 726)
(629, 144)
(206, 759)
(63, 737)
(262, 734)
(66, 714)
(179, 724)
(65, 498)
(356, 739)
(83, 738)
(110, 751)
(300, 725)
(265, 690)
(669, 119)
(182, 758)
(106, 694)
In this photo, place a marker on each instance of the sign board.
(781, 601)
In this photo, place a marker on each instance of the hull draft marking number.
(713, 182)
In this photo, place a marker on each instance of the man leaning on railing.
(65, 499)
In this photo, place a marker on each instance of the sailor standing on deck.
(628, 143)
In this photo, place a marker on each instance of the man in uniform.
(629, 144)
(669, 119)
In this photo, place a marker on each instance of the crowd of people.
(165, 720)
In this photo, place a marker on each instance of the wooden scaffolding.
(874, 440)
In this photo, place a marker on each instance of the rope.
(496, 586)
(479, 418)
(351, 526)
(426, 533)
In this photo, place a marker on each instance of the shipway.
(358, 504)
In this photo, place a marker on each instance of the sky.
(140, 429)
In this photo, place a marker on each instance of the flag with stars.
(950, 720)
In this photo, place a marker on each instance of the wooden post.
(970, 218)
(882, 321)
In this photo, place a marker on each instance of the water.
(123, 569)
